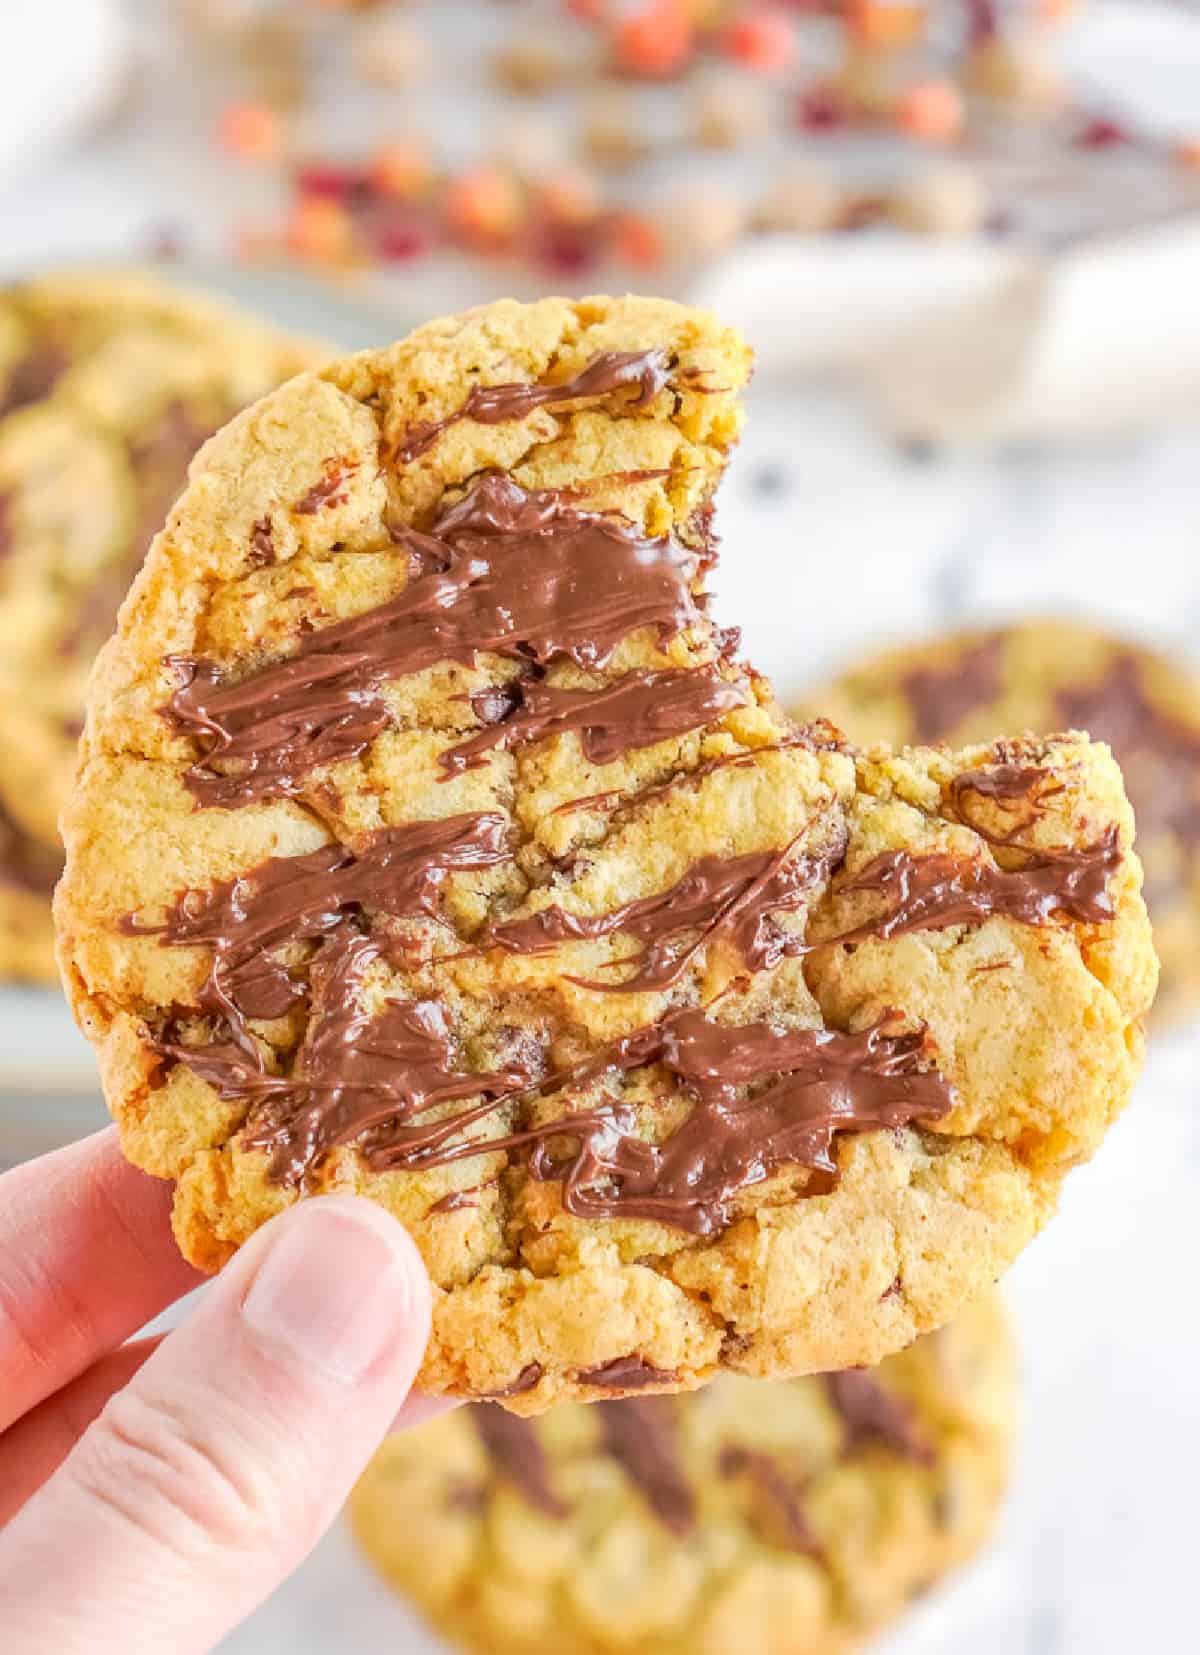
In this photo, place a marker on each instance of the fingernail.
(332, 1293)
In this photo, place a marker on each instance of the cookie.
(108, 384)
(792, 1518)
(1051, 675)
(432, 842)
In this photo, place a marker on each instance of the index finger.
(86, 1258)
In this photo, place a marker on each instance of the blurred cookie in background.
(789, 1518)
(1043, 676)
(109, 382)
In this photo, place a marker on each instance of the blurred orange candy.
(760, 39)
(1187, 153)
(319, 229)
(655, 40)
(251, 131)
(484, 205)
(931, 110)
(637, 240)
(401, 169)
(570, 196)
(889, 24)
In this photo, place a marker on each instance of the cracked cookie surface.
(1050, 674)
(109, 382)
(789, 1519)
(449, 854)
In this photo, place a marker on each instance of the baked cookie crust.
(109, 383)
(450, 855)
(968, 686)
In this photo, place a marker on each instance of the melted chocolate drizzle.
(610, 371)
(932, 890)
(642, 708)
(1021, 788)
(508, 571)
(368, 1079)
(400, 872)
(729, 898)
(871, 1413)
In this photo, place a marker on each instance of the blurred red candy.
(330, 180)
(1101, 133)
(820, 109)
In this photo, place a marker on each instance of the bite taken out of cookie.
(431, 841)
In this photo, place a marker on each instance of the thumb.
(208, 1478)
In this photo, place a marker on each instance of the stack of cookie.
(431, 842)
(109, 383)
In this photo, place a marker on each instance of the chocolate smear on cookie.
(930, 890)
(638, 710)
(505, 570)
(645, 371)
(719, 898)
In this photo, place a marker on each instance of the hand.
(152, 1493)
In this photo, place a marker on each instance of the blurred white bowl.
(60, 67)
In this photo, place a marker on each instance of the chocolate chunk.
(871, 1413)
(33, 377)
(330, 491)
(517, 1453)
(1159, 754)
(626, 1373)
(942, 697)
(525, 1381)
(784, 1520)
(640, 1436)
(25, 862)
(262, 544)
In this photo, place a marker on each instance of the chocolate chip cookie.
(1053, 675)
(432, 842)
(108, 385)
(789, 1519)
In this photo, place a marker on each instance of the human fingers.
(207, 1478)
